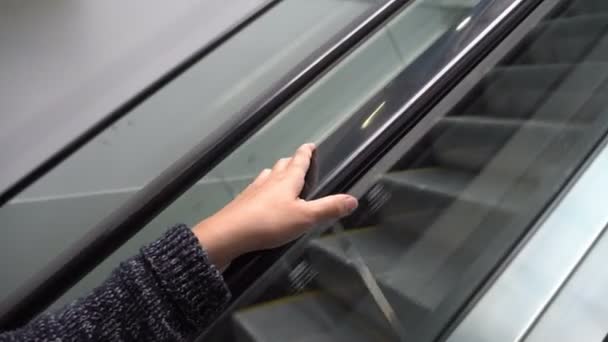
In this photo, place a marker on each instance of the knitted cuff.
(186, 276)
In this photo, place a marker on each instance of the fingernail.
(351, 204)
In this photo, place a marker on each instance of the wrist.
(219, 240)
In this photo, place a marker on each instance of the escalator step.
(515, 91)
(421, 190)
(434, 181)
(376, 246)
(304, 317)
(582, 84)
(569, 40)
(548, 92)
(406, 225)
(338, 276)
(595, 107)
(419, 194)
(434, 189)
(405, 266)
(416, 274)
(579, 7)
(470, 143)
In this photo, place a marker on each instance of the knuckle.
(309, 217)
(312, 213)
(303, 150)
(281, 162)
(333, 209)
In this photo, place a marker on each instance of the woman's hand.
(269, 212)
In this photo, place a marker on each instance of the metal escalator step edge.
(470, 142)
(579, 24)
(507, 123)
(549, 91)
(532, 75)
(301, 318)
(580, 7)
(372, 244)
(580, 34)
(338, 275)
(442, 182)
(436, 188)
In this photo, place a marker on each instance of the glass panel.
(314, 116)
(61, 207)
(66, 64)
(463, 194)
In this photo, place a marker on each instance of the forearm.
(170, 291)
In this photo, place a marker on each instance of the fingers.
(261, 178)
(332, 207)
(300, 162)
(281, 165)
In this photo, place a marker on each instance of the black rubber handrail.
(111, 233)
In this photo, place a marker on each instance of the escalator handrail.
(469, 47)
(117, 228)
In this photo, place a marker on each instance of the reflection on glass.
(369, 119)
(463, 24)
(466, 192)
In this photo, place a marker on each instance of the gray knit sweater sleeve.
(168, 292)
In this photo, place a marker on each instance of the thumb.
(332, 207)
